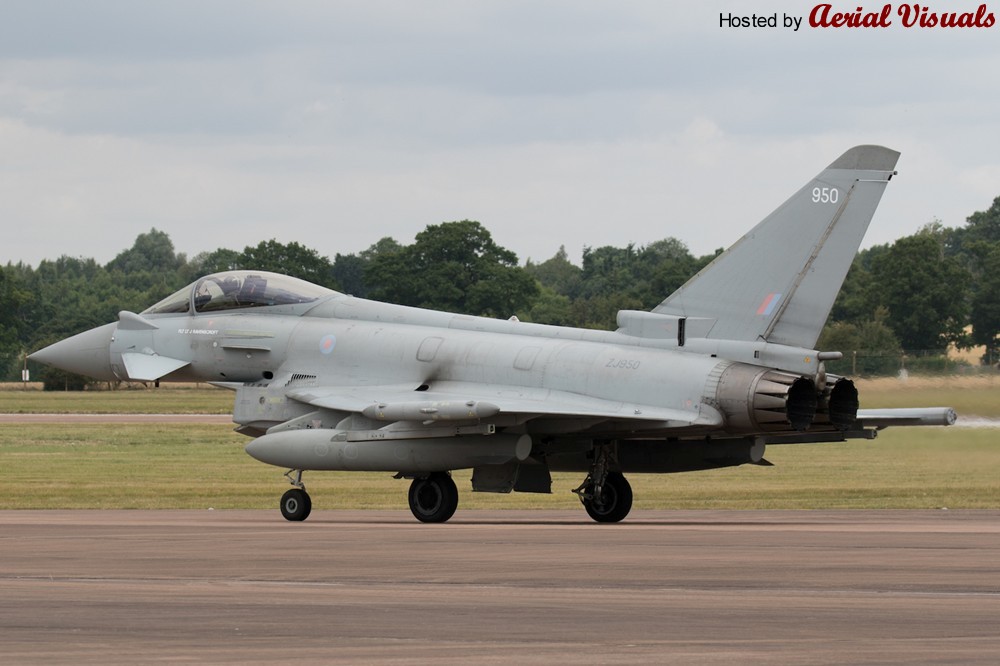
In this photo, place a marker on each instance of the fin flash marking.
(771, 302)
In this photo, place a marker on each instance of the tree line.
(921, 293)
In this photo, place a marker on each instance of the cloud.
(583, 123)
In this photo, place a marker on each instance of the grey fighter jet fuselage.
(722, 368)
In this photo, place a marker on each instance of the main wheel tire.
(615, 501)
(433, 499)
(296, 505)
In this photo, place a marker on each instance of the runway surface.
(526, 587)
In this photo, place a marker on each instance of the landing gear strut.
(433, 498)
(606, 494)
(296, 503)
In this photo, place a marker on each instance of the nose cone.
(86, 353)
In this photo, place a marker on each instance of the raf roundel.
(327, 344)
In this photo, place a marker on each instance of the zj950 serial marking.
(622, 363)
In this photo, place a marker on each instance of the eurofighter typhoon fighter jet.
(722, 368)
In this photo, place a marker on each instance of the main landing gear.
(433, 498)
(606, 494)
(611, 501)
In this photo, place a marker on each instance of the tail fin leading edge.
(778, 283)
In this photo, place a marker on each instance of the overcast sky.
(553, 123)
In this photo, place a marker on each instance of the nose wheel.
(296, 503)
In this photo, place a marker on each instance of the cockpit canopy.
(235, 290)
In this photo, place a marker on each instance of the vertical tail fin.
(778, 283)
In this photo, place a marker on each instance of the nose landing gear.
(296, 503)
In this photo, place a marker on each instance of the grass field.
(187, 466)
(976, 395)
(198, 467)
(206, 400)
